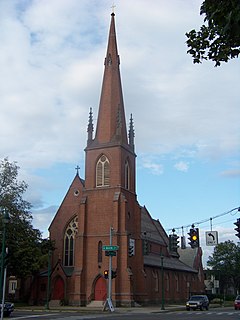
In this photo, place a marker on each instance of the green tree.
(226, 262)
(27, 250)
(219, 38)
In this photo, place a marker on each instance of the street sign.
(110, 253)
(211, 238)
(110, 248)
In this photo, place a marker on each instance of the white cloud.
(182, 166)
(51, 61)
(155, 168)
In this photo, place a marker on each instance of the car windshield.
(237, 298)
(197, 298)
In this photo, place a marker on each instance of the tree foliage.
(219, 39)
(226, 262)
(27, 250)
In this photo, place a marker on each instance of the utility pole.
(110, 270)
(4, 288)
(108, 303)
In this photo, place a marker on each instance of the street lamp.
(49, 278)
(162, 308)
(5, 220)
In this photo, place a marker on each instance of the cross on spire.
(77, 168)
(113, 7)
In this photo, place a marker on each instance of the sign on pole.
(110, 248)
(211, 238)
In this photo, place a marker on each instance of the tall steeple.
(111, 124)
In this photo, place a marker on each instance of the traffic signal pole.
(110, 269)
(108, 303)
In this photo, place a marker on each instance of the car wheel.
(7, 314)
(206, 307)
(201, 308)
(188, 309)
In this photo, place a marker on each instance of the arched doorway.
(58, 290)
(100, 291)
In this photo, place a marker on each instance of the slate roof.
(153, 231)
(168, 263)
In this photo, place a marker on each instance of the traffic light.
(173, 242)
(105, 273)
(145, 247)
(238, 228)
(114, 274)
(194, 237)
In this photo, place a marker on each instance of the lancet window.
(103, 172)
(69, 242)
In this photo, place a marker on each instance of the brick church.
(105, 203)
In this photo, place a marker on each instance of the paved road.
(215, 314)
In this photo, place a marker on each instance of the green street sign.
(110, 248)
(110, 253)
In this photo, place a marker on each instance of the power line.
(205, 220)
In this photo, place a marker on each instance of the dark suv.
(197, 302)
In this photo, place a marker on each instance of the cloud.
(42, 219)
(231, 173)
(154, 168)
(182, 166)
(52, 62)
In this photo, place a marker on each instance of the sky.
(186, 116)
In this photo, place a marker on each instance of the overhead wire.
(197, 223)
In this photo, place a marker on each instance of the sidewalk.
(92, 310)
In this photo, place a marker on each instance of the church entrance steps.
(54, 303)
(96, 304)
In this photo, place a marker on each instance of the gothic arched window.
(127, 176)
(99, 251)
(103, 172)
(69, 242)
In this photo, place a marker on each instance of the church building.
(102, 211)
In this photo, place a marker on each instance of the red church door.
(100, 292)
(58, 290)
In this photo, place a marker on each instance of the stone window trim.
(103, 171)
(69, 242)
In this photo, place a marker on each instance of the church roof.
(111, 124)
(189, 255)
(168, 263)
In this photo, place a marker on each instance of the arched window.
(127, 176)
(103, 172)
(69, 241)
(99, 251)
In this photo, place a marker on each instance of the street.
(214, 314)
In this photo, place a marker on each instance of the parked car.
(197, 302)
(237, 303)
(8, 308)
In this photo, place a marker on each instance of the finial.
(131, 133)
(90, 126)
(77, 168)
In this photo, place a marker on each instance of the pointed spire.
(90, 127)
(131, 133)
(111, 107)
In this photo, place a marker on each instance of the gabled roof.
(190, 256)
(152, 229)
(77, 185)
